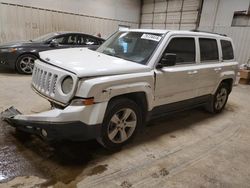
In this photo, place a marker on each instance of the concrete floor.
(188, 149)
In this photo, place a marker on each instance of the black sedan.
(21, 55)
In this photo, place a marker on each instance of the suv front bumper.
(48, 129)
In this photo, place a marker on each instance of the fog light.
(44, 133)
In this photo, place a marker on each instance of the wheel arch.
(139, 98)
(25, 53)
(229, 82)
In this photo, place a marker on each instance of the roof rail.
(196, 30)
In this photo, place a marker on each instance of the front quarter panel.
(106, 87)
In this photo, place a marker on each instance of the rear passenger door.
(210, 65)
(178, 83)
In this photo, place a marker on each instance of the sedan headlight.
(67, 85)
(8, 50)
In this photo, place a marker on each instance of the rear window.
(208, 49)
(227, 50)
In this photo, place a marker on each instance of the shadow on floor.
(64, 161)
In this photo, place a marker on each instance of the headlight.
(8, 50)
(67, 84)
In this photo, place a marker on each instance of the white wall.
(217, 16)
(26, 19)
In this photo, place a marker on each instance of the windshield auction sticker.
(151, 37)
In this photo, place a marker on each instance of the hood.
(84, 62)
(19, 44)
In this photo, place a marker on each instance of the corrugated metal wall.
(217, 16)
(18, 22)
(241, 38)
(170, 14)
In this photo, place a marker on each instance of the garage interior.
(187, 149)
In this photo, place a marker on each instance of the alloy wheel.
(27, 64)
(122, 125)
(221, 98)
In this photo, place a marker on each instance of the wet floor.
(64, 161)
(192, 149)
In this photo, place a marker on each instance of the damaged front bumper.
(42, 125)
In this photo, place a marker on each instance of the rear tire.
(25, 63)
(219, 99)
(121, 122)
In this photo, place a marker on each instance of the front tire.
(25, 63)
(219, 99)
(121, 122)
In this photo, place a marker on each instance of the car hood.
(85, 63)
(18, 44)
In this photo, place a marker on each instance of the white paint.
(85, 63)
(103, 77)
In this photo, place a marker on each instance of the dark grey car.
(21, 55)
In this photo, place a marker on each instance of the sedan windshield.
(44, 38)
(133, 46)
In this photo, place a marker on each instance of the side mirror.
(54, 43)
(167, 60)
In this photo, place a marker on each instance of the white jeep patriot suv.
(134, 76)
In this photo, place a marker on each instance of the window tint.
(208, 49)
(59, 40)
(184, 48)
(227, 50)
(86, 40)
(91, 41)
(72, 40)
(67, 39)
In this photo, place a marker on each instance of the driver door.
(177, 83)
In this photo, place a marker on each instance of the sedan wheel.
(25, 64)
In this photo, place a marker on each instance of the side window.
(81, 40)
(184, 48)
(91, 41)
(227, 50)
(72, 40)
(208, 49)
(60, 39)
(66, 39)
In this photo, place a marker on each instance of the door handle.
(193, 72)
(217, 69)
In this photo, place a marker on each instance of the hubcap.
(27, 64)
(221, 98)
(122, 125)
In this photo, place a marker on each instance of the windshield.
(44, 38)
(133, 46)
